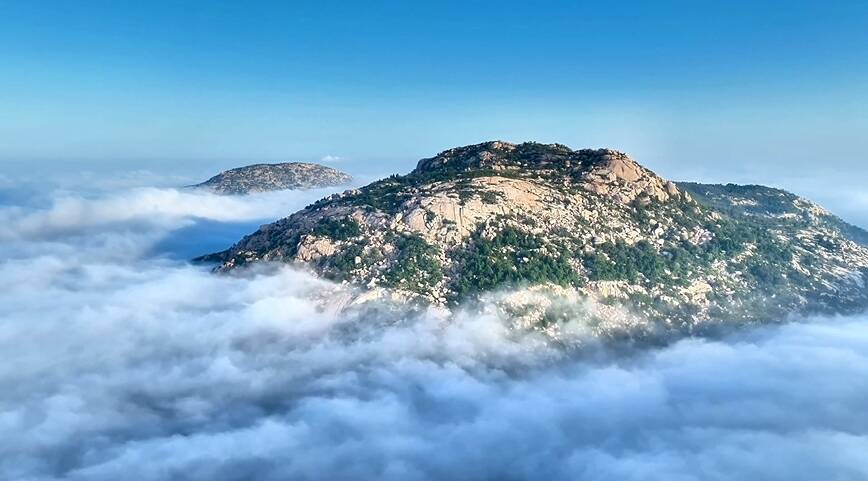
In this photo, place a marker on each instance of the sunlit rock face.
(268, 177)
(591, 224)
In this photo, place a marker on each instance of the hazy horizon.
(844, 196)
(487, 325)
(743, 93)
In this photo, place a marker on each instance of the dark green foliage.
(467, 191)
(771, 268)
(465, 194)
(685, 214)
(417, 267)
(852, 232)
(809, 260)
(489, 197)
(534, 155)
(731, 237)
(826, 243)
(640, 212)
(345, 261)
(680, 261)
(769, 202)
(625, 262)
(337, 229)
(766, 274)
(386, 195)
(390, 193)
(512, 257)
(773, 250)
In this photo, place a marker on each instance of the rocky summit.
(267, 177)
(553, 233)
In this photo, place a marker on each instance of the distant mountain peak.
(280, 176)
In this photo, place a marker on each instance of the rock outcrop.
(500, 219)
(603, 171)
(268, 177)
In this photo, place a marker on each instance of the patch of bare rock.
(558, 236)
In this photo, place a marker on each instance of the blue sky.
(743, 91)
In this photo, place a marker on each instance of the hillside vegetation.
(590, 224)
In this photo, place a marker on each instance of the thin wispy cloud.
(331, 159)
(170, 208)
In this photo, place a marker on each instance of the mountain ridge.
(588, 223)
(263, 177)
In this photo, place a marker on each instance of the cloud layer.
(119, 364)
(164, 207)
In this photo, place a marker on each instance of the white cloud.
(170, 208)
(331, 159)
(116, 364)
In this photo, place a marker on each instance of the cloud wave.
(118, 364)
(170, 208)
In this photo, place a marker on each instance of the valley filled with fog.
(121, 357)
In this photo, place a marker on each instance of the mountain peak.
(591, 222)
(281, 176)
(604, 171)
(497, 153)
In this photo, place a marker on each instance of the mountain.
(533, 221)
(266, 177)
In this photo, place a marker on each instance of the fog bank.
(121, 362)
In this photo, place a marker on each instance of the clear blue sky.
(738, 90)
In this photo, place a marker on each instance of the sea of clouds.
(120, 360)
